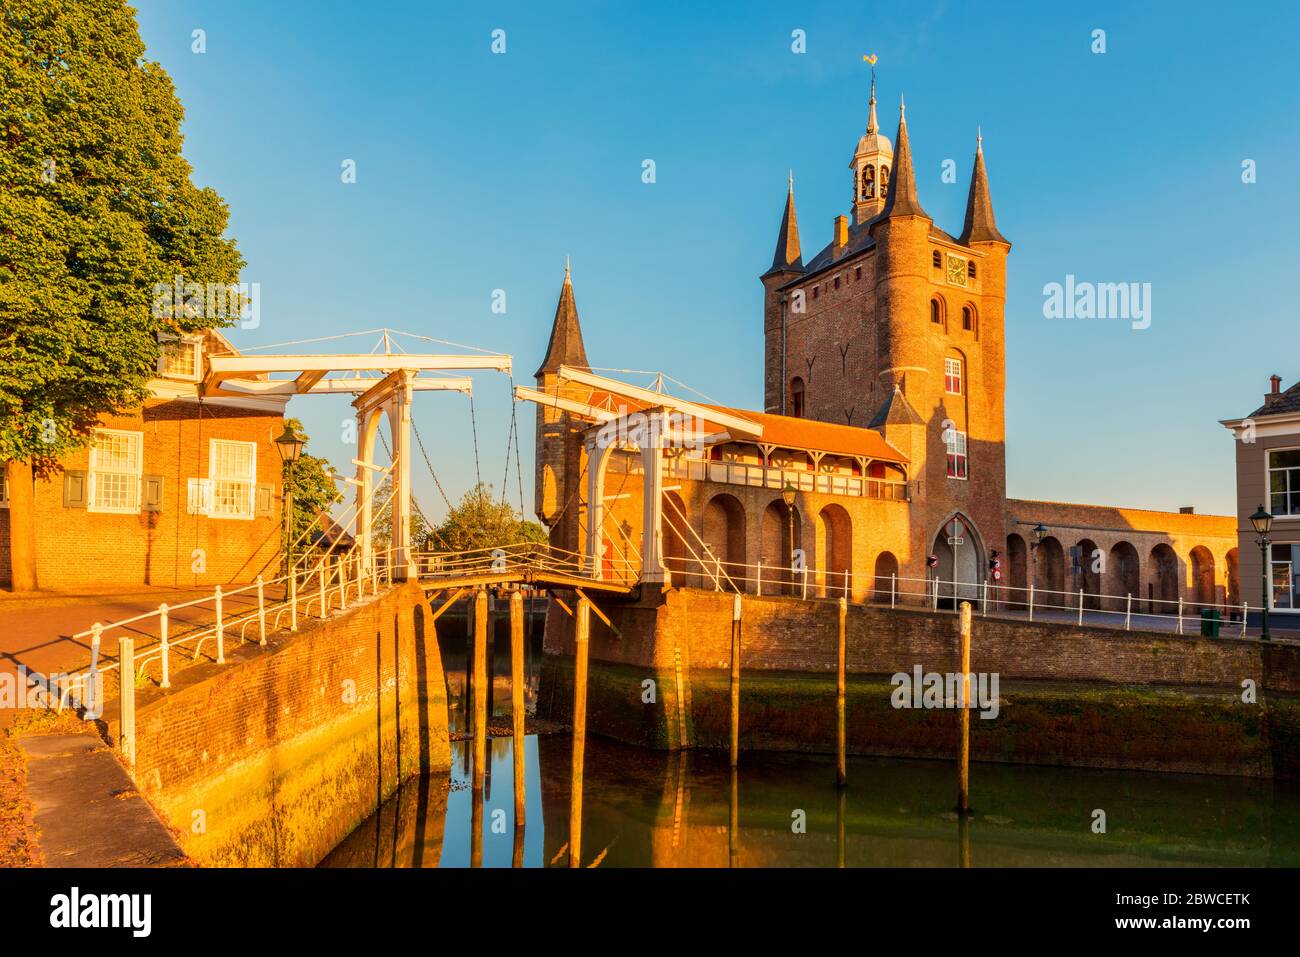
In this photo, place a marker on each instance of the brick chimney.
(1275, 392)
(841, 233)
(1187, 510)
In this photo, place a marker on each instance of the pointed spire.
(788, 257)
(566, 346)
(872, 125)
(979, 226)
(902, 200)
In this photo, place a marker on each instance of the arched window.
(952, 375)
(868, 182)
(936, 259)
(968, 317)
(796, 397)
(884, 181)
(970, 268)
(936, 311)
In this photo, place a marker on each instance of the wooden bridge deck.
(537, 577)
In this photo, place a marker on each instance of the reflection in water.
(647, 808)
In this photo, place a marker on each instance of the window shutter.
(198, 496)
(74, 489)
(265, 501)
(151, 499)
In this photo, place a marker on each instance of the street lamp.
(1262, 522)
(289, 445)
(787, 496)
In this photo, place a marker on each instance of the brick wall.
(80, 549)
(283, 754)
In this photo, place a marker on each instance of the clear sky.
(479, 171)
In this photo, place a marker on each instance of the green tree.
(382, 525)
(96, 209)
(314, 490)
(480, 522)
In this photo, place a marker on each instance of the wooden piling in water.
(733, 821)
(841, 763)
(480, 686)
(476, 827)
(735, 680)
(963, 757)
(582, 626)
(517, 697)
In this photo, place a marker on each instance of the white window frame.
(4, 485)
(956, 441)
(94, 471)
(251, 481)
(960, 377)
(196, 341)
(1268, 483)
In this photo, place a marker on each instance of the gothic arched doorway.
(961, 561)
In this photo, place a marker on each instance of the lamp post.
(1262, 522)
(289, 445)
(787, 496)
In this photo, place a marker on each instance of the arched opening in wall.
(1048, 561)
(1123, 576)
(1234, 580)
(885, 570)
(1015, 572)
(675, 535)
(1085, 570)
(797, 398)
(961, 562)
(1204, 592)
(1162, 589)
(777, 552)
(938, 314)
(724, 535)
(835, 551)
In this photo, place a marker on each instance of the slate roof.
(1289, 401)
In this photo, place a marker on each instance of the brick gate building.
(884, 386)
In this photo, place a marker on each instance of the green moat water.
(653, 809)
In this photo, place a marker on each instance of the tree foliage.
(480, 522)
(382, 525)
(96, 208)
(313, 489)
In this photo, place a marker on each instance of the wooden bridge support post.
(517, 678)
(841, 764)
(735, 680)
(480, 687)
(581, 634)
(963, 757)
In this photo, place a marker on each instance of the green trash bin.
(1210, 622)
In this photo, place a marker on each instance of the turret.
(787, 265)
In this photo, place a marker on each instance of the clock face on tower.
(956, 271)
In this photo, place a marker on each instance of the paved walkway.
(87, 808)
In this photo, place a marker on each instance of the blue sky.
(478, 172)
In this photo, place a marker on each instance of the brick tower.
(897, 325)
(559, 442)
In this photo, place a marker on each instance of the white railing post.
(1245, 611)
(934, 596)
(293, 600)
(804, 596)
(343, 586)
(126, 699)
(1128, 613)
(893, 589)
(1081, 606)
(985, 612)
(1180, 616)
(321, 588)
(91, 700)
(221, 629)
(760, 576)
(1031, 601)
(162, 624)
(261, 612)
